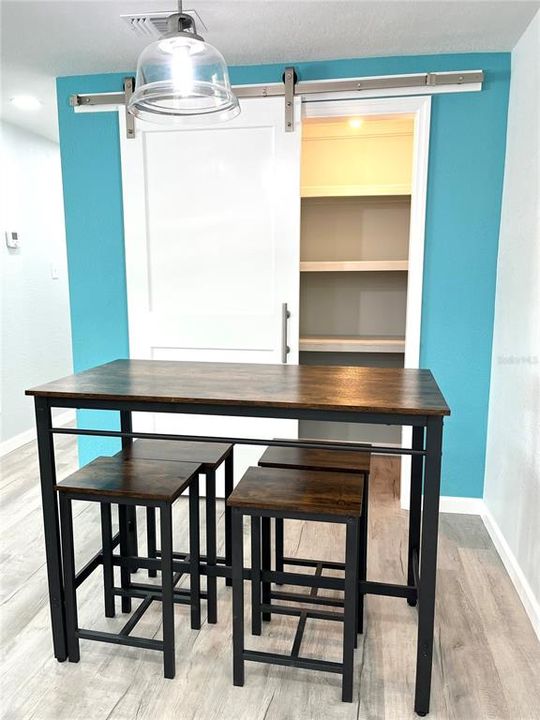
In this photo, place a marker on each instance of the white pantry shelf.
(382, 190)
(354, 265)
(352, 343)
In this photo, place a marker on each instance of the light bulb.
(355, 123)
(182, 70)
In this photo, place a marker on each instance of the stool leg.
(108, 568)
(132, 533)
(68, 555)
(362, 554)
(266, 564)
(237, 545)
(167, 591)
(194, 554)
(279, 544)
(350, 611)
(151, 537)
(124, 552)
(229, 484)
(255, 575)
(211, 550)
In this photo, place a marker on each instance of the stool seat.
(118, 478)
(209, 455)
(347, 461)
(299, 491)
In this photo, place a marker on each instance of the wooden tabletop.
(308, 387)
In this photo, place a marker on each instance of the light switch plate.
(12, 240)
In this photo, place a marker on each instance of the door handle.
(285, 349)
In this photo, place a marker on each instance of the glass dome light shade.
(182, 79)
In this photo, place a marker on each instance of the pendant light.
(182, 80)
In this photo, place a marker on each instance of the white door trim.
(420, 108)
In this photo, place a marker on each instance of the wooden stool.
(128, 483)
(341, 461)
(210, 456)
(264, 493)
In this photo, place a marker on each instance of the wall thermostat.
(12, 240)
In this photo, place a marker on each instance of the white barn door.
(212, 235)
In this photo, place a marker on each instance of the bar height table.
(389, 396)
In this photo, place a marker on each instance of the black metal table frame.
(423, 517)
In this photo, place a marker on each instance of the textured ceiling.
(44, 39)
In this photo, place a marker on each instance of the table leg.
(126, 425)
(428, 565)
(51, 528)
(415, 503)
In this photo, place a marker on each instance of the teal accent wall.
(466, 165)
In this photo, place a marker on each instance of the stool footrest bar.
(303, 580)
(312, 614)
(308, 562)
(133, 562)
(137, 615)
(179, 598)
(307, 599)
(145, 643)
(220, 560)
(94, 562)
(155, 590)
(388, 589)
(290, 661)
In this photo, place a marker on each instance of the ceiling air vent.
(154, 24)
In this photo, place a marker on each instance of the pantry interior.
(356, 180)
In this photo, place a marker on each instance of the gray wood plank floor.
(486, 662)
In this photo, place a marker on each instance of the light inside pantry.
(374, 159)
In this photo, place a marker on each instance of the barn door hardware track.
(291, 86)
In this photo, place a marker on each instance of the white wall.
(512, 483)
(35, 329)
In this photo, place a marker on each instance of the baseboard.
(477, 506)
(450, 504)
(463, 505)
(28, 435)
(520, 582)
